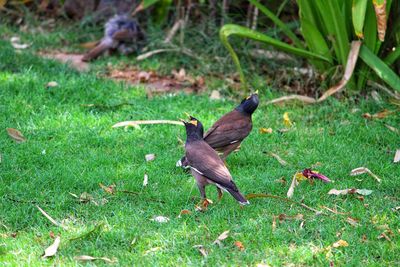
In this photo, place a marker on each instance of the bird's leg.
(219, 193)
(205, 202)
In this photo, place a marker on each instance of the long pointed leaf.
(380, 68)
(358, 15)
(231, 29)
(278, 23)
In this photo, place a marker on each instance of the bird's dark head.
(249, 104)
(194, 129)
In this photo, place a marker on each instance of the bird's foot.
(203, 205)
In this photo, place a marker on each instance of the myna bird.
(230, 130)
(205, 164)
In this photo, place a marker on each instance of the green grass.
(71, 148)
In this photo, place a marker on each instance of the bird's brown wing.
(231, 128)
(204, 160)
(124, 35)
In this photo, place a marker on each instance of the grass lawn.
(71, 148)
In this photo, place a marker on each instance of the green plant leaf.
(393, 56)
(381, 69)
(358, 15)
(278, 23)
(232, 29)
(316, 43)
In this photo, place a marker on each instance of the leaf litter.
(362, 170)
(90, 258)
(52, 249)
(16, 135)
(363, 192)
(221, 237)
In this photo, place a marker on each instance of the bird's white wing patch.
(234, 141)
(196, 170)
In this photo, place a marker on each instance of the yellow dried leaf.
(265, 130)
(286, 120)
(340, 243)
(300, 177)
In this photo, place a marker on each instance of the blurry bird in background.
(227, 133)
(122, 34)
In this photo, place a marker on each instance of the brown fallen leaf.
(352, 221)
(385, 236)
(51, 234)
(202, 250)
(363, 192)
(362, 170)
(185, 212)
(380, 115)
(265, 130)
(150, 157)
(90, 258)
(16, 135)
(239, 245)
(282, 217)
(85, 197)
(397, 156)
(380, 12)
(108, 189)
(279, 159)
(52, 249)
(221, 237)
(180, 76)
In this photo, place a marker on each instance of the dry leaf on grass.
(286, 120)
(108, 189)
(160, 219)
(340, 243)
(52, 84)
(150, 157)
(278, 158)
(265, 130)
(183, 212)
(282, 217)
(352, 221)
(239, 245)
(395, 130)
(308, 173)
(380, 115)
(221, 237)
(16, 135)
(362, 170)
(52, 249)
(145, 179)
(215, 95)
(152, 250)
(202, 250)
(335, 211)
(90, 258)
(15, 42)
(294, 183)
(397, 156)
(50, 219)
(363, 192)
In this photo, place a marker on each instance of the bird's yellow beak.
(194, 122)
(256, 92)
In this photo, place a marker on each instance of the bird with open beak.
(227, 133)
(205, 164)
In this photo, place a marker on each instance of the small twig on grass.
(250, 196)
(26, 201)
(51, 219)
(185, 51)
(178, 24)
(136, 123)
